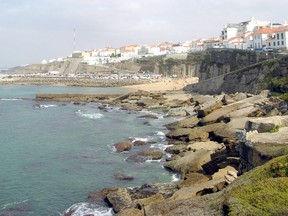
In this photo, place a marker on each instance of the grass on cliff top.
(262, 191)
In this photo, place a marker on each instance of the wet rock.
(123, 146)
(101, 195)
(148, 116)
(36, 106)
(151, 154)
(119, 199)
(139, 143)
(122, 177)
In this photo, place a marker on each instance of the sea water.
(52, 157)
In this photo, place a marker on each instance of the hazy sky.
(33, 30)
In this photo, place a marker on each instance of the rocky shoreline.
(217, 140)
(69, 81)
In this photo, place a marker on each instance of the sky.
(34, 30)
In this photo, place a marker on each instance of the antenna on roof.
(74, 40)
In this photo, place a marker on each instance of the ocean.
(52, 157)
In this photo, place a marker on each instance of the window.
(255, 45)
(278, 37)
(269, 44)
(278, 43)
(282, 42)
(274, 43)
(282, 36)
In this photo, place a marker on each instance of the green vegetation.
(262, 191)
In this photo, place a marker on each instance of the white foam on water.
(139, 139)
(48, 106)
(11, 99)
(13, 203)
(175, 177)
(160, 146)
(160, 133)
(89, 115)
(152, 161)
(80, 209)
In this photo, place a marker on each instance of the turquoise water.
(53, 156)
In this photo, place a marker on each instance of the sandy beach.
(165, 84)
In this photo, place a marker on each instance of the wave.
(160, 146)
(139, 139)
(47, 106)
(12, 204)
(175, 177)
(89, 115)
(160, 133)
(80, 209)
(11, 99)
(152, 161)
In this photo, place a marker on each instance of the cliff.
(250, 72)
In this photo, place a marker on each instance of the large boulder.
(266, 124)
(150, 154)
(210, 105)
(130, 212)
(179, 134)
(208, 145)
(192, 179)
(190, 162)
(119, 199)
(256, 148)
(123, 146)
(189, 122)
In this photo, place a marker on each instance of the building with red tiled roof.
(275, 38)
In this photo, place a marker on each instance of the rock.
(209, 106)
(208, 145)
(130, 212)
(101, 195)
(179, 134)
(190, 162)
(189, 122)
(146, 102)
(148, 116)
(175, 149)
(224, 113)
(147, 201)
(177, 112)
(123, 146)
(199, 133)
(240, 96)
(192, 179)
(266, 124)
(121, 176)
(151, 154)
(139, 143)
(220, 175)
(200, 189)
(37, 106)
(257, 148)
(119, 199)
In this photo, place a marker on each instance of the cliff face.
(250, 74)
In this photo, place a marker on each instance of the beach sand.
(164, 84)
